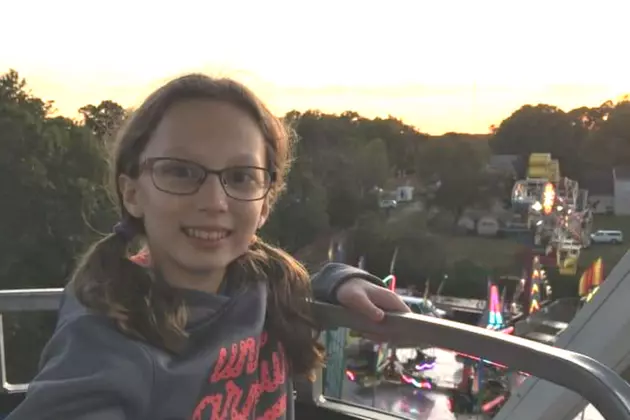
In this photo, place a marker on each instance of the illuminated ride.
(376, 363)
(496, 318)
(534, 290)
(484, 386)
(477, 394)
(560, 222)
(560, 225)
(590, 281)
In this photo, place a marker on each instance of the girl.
(212, 323)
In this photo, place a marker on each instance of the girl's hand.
(369, 299)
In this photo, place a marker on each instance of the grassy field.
(501, 254)
(497, 253)
(611, 254)
(487, 252)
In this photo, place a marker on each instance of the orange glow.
(549, 198)
(302, 64)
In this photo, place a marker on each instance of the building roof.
(503, 163)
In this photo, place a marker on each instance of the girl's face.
(201, 192)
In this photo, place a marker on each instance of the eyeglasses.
(183, 177)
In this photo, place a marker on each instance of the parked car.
(607, 237)
(388, 204)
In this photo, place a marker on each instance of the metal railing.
(592, 380)
(21, 301)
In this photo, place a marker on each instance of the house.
(608, 190)
(404, 193)
(600, 185)
(621, 199)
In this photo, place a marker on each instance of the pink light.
(494, 299)
(418, 384)
(508, 330)
(491, 404)
(391, 282)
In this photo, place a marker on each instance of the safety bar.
(595, 382)
(20, 301)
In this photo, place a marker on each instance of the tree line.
(54, 169)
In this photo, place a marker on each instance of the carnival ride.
(555, 211)
(559, 222)
(495, 317)
(598, 327)
(485, 385)
(376, 363)
(478, 395)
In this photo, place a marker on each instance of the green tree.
(608, 141)
(372, 165)
(350, 154)
(458, 166)
(51, 178)
(542, 129)
(403, 142)
(300, 214)
(103, 119)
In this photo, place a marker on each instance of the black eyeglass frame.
(149, 163)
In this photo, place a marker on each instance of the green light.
(390, 281)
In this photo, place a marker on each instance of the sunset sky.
(449, 65)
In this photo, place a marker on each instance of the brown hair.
(106, 281)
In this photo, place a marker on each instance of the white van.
(607, 237)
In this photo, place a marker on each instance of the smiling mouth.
(209, 235)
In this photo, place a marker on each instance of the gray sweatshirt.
(232, 370)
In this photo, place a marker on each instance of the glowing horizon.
(441, 66)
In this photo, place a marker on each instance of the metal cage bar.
(600, 385)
